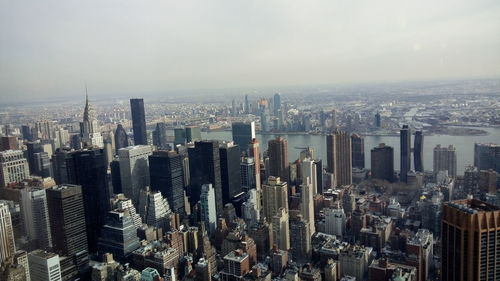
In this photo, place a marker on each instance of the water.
(463, 144)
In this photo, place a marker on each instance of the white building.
(307, 203)
(13, 167)
(44, 266)
(134, 170)
(119, 201)
(251, 208)
(335, 221)
(7, 244)
(36, 217)
(154, 209)
(308, 170)
(207, 206)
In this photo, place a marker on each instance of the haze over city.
(51, 48)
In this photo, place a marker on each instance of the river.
(463, 144)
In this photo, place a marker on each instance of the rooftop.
(473, 206)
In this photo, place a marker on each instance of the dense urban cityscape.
(386, 182)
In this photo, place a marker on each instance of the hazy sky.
(49, 48)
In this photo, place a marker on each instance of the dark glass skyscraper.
(418, 151)
(277, 103)
(277, 151)
(319, 175)
(193, 134)
(243, 134)
(167, 176)
(67, 222)
(230, 171)
(88, 169)
(204, 167)
(121, 138)
(405, 144)
(160, 136)
(382, 162)
(358, 151)
(119, 235)
(378, 120)
(138, 121)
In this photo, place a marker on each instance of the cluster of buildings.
(90, 204)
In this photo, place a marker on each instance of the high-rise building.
(89, 127)
(278, 158)
(236, 265)
(378, 120)
(243, 134)
(308, 173)
(338, 152)
(307, 204)
(382, 162)
(179, 136)
(193, 134)
(43, 166)
(204, 167)
(358, 151)
(154, 209)
(7, 243)
(89, 170)
(335, 221)
(121, 138)
(134, 170)
(119, 235)
(13, 167)
(254, 151)
(44, 266)
(405, 145)
(8, 143)
(36, 217)
(138, 121)
(277, 103)
(445, 159)
(281, 229)
(418, 151)
(121, 203)
(167, 176)
(247, 171)
(274, 196)
(208, 213)
(67, 219)
(160, 138)
(300, 239)
(470, 241)
(487, 156)
(230, 171)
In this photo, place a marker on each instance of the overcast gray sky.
(49, 48)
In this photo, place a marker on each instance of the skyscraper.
(254, 151)
(160, 136)
(134, 170)
(487, 156)
(445, 159)
(278, 158)
(44, 266)
(281, 229)
(121, 138)
(274, 196)
(139, 121)
(167, 176)
(179, 136)
(470, 241)
(247, 170)
(277, 103)
(230, 171)
(67, 222)
(378, 120)
(243, 134)
(89, 170)
(154, 209)
(13, 167)
(382, 162)
(358, 151)
(338, 153)
(309, 174)
(119, 235)
(307, 204)
(36, 217)
(208, 213)
(300, 239)
(204, 167)
(89, 127)
(193, 134)
(418, 151)
(405, 144)
(247, 105)
(8, 247)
